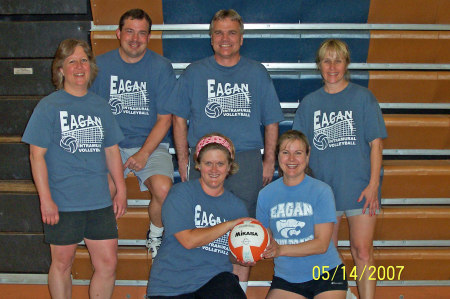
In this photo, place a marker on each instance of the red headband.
(213, 139)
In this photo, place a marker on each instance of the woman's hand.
(272, 250)
(370, 193)
(49, 211)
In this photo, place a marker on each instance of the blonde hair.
(335, 46)
(234, 167)
(65, 49)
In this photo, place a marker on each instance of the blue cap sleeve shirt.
(234, 101)
(177, 270)
(339, 128)
(75, 132)
(291, 213)
(136, 92)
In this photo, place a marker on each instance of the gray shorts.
(246, 183)
(354, 212)
(159, 162)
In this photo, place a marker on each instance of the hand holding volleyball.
(247, 241)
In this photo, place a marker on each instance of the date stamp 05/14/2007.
(378, 273)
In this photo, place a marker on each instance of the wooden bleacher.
(399, 51)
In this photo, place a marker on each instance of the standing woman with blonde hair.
(73, 140)
(345, 124)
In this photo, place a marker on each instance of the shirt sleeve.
(165, 87)
(300, 119)
(271, 109)
(113, 133)
(40, 127)
(262, 211)
(177, 210)
(374, 125)
(179, 102)
(325, 206)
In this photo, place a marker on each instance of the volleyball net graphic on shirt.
(135, 100)
(235, 102)
(74, 139)
(337, 132)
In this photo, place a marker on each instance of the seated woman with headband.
(193, 260)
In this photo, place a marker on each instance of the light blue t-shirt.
(136, 92)
(177, 270)
(234, 101)
(75, 132)
(291, 213)
(339, 128)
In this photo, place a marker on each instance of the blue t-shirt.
(234, 101)
(75, 132)
(339, 128)
(291, 213)
(177, 270)
(136, 92)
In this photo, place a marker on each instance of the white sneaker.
(153, 245)
(350, 295)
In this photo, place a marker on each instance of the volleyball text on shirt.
(334, 129)
(129, 97)
(229, 100)
(82, 133)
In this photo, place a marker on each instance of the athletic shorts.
(224, 285)
(246, 183)
(159, 162)
(312, 288)
(355, 212)
(73, 227)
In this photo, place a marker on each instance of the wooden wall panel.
(410, 86)
(106, 12)
(416, 179)
(417, 131)
(407, 47)
(403, 11)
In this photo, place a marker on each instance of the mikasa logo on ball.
(246, 233)
(247, 241)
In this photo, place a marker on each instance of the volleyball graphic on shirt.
(116, 106)
(341, 132)
(234, 101)
(213, 110)
(320, 141)
(248, 240)
(133, 102)
(69, 144)
(82, 133)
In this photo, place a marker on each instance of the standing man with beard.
(136, 81)
(232, 95)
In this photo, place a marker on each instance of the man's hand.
(137, 161)
(268, 171)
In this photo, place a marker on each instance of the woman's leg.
(362, 229)
(59, 279)
(104, 259)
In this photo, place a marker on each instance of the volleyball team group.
(111, 115)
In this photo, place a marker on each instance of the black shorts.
(222, 286)
(73, 227)
(311, 288)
